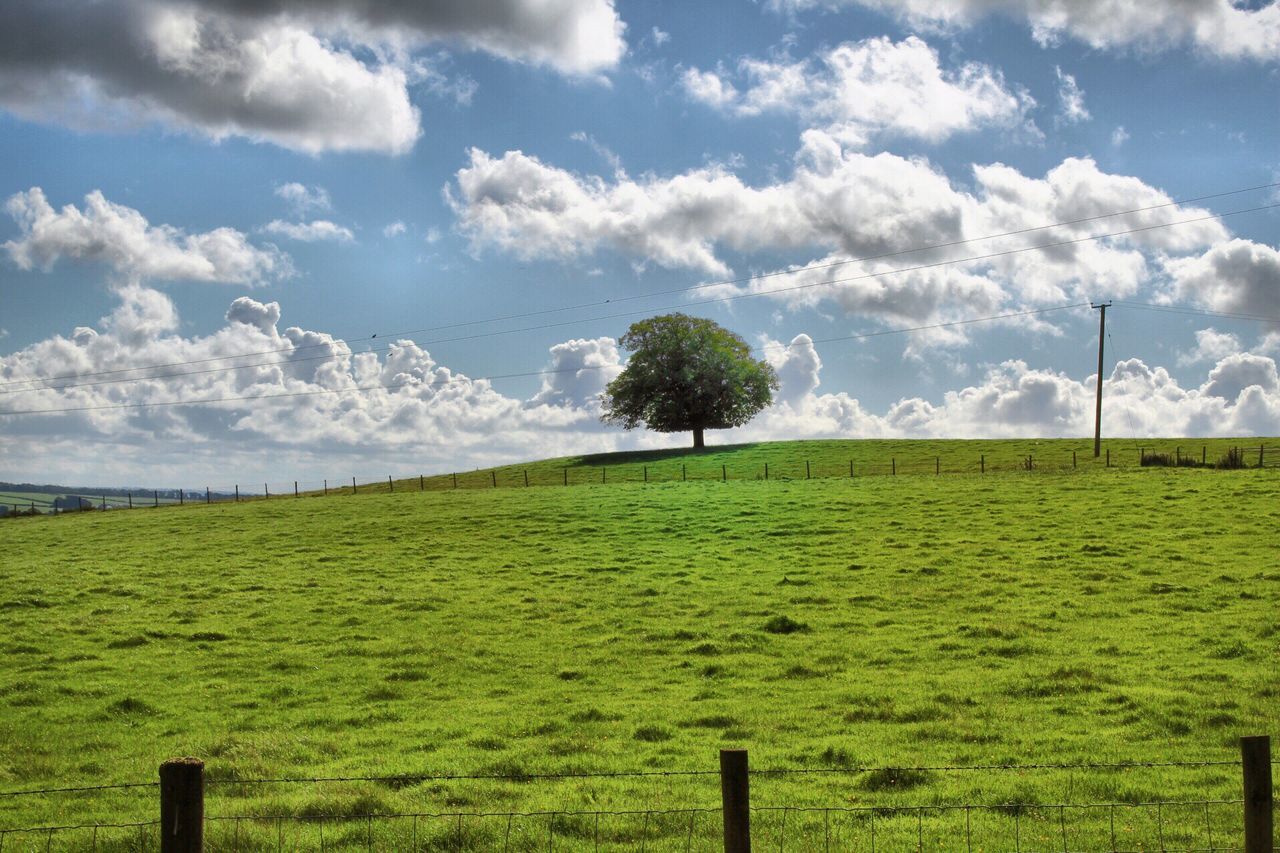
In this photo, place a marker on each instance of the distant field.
(1020, 617)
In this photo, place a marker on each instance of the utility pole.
(1102, 336)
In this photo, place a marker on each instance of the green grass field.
(1017, 617)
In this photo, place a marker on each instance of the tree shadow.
(638, 456)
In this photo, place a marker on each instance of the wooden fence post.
(326, 488)
(566, 476)
(354, 490)
(208, 498)
(1073, 459)
(893, 462)
(937, 465)
(1204, 454)
(295, 488)
(724, 473)
(735, 796)
(131, 500)
(806, 469)
(391, 487)
(182, 497)
(157, 497)
(422, 483)
(1259, 829)
(266, 492)
(182, 806)
(603, 479)
(493, 474)
(766, 470)
(526, 478)
(982, 464)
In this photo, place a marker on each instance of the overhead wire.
(689, 289)
(579, 321)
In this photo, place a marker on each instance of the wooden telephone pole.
(1102, 336)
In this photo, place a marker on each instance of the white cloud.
(580, 369)
(310, 232)
(1212, 346)
(1235, 276)
(328, 75)
(393, 229)
(1219, 28)
(123, 239)
(1071, 108)
(412, 407)
(859, 91)
(660, 37)
(1119, 136)
(303, 199)
(846, 204)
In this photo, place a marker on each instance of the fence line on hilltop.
(515, 476)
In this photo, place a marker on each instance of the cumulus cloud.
(859, 91)
(317, 406)
(310, 75)
(848, 205)
(1212, 346)
(580, 369)
(122, 239)
(1219, 28)
(1234, 276)
(314, 231)
(393, 229)
(1071, 108)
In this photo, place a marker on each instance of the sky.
(308, 239)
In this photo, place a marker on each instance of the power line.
(1181, 309)
(668, 292)
(453, 379)
(709, 301)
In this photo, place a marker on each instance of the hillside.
(919, 620)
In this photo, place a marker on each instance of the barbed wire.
(413, 778)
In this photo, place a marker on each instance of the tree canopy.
(687, 373)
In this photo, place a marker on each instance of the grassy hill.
(1021, 617)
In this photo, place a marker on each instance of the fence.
(672, 472)
(734, 824)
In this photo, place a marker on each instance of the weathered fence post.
(1073, 459)
(1259, 828)
(237, 493)
(295, 488)
(493, 475)
(603, 479)
(766, 470)
(1204, 454)
(326, 488)
(182, 497)
(937, 465)
(893, 466)
(182, 806)
(208, 498)
(266, 492)
(724, 473)
(354, 490)
(391, 487)
(157, 497)
(526, 478)
(566, 477)
(735, 796)
(806, 469)
(982, 464)
(1261, 447)
(422, 483)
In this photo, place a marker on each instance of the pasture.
(1020, 617)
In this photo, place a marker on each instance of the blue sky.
(189, 183)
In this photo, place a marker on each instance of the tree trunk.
(697, 438)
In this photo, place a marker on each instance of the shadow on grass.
(637, 456)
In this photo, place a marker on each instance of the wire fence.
(227, 821)
(690, 469)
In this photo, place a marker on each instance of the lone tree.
(687, 373)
